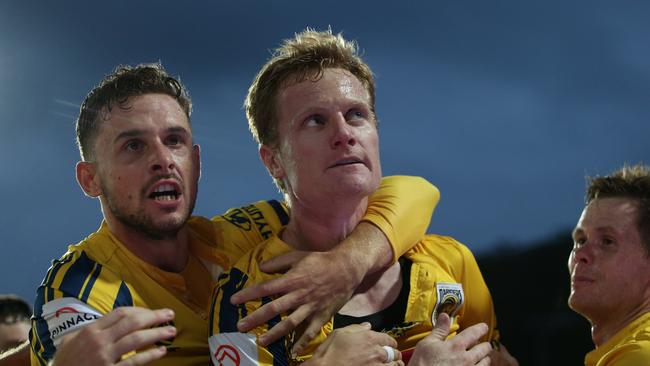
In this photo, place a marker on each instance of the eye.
(608, 241)
(579, 240)
(173, 140)
(133, 145)
(356, 114)
(314, 120)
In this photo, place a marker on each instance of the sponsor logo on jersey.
(450, 300)
(65, 314)
(239, 218)
(233, 349)
(226, 355)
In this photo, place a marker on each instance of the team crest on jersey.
(233, 349)
(450, 300)
(65, 314)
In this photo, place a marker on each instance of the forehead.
(610, 213)
(334, 85)
(147, 113)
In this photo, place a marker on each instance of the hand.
(355, 345)
(121, 331)
(461, 350)
(501, 357)
(317, 286)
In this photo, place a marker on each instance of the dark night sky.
(505, 105)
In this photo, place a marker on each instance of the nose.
(343, 134)
(162, 160)
(582, 254)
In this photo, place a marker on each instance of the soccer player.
(144, 277)
(610, 267)
(312, 110)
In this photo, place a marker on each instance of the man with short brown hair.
(610, 267)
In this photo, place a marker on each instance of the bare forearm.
(366, 250)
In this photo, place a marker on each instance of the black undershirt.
(393, 315)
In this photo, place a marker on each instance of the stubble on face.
(139, 220)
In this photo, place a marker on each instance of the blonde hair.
(303, 57)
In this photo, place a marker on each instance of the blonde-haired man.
(312, 110)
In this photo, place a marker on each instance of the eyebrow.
(137, 132)
(600, 229)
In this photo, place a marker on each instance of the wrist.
(354, 264)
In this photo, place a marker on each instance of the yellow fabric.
(629, 347)
(436, 259)
(402, 209)
(102, 273)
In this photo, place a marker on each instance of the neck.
(169, 253)
(602, 330)
(320, 227)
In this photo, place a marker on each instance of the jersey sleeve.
(241, 229)
(401, 208)
(76, 291)
(227, 345)
(479, 307)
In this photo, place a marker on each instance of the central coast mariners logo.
(450, 300)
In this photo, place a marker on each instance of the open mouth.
(165, 192)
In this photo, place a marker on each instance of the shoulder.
(632, 347)
(248, 264)
(264, 216)
(89, 272)
(441, 247)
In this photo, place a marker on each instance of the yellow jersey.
(629, 347)
(100, 274)
(444, 277)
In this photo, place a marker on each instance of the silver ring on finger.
(390, 353)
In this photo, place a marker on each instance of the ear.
(196, 159)
(88, 179)
(271, 161)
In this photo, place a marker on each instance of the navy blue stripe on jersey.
(123, 297)
(76, 275)
(277, 348)
(230, 314)
(33, 344)
(51, 275)
(42, 330)
(91, 282)
(280, 211)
